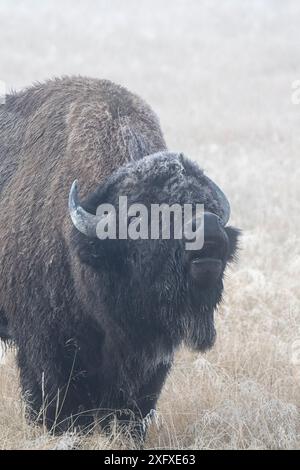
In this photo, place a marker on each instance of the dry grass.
(219, 75)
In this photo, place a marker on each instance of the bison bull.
(96, 322)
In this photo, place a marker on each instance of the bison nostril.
(206, 270)
(209, 249)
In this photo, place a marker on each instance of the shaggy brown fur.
(93, 328)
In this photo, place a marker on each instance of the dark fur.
(96, 323)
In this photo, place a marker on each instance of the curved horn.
(225, 206)
(85, 222)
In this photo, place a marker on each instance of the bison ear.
(99, 254)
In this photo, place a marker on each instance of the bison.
(96, 321)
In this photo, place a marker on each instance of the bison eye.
(206, 271)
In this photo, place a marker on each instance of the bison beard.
(96, 322)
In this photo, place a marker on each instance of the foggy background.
(219, 75)
(214, 70)
(216, 73)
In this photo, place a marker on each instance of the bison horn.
(85, 222)
(223, 201)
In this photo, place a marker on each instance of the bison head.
(156, 284)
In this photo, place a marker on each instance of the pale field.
(219, 75)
